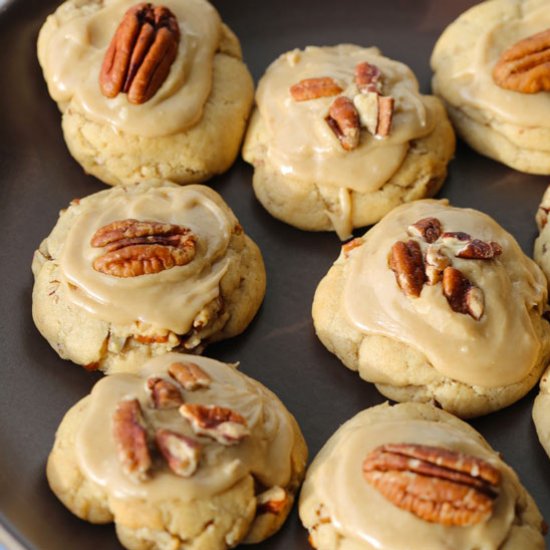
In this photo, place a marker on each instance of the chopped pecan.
(164, 394)
(350, 245)
(367, 78)
(140, 54)
(385, 116)
(314, 88)
(131, 439)
(436, 484)
(189, 375)
(146, 339)
(428, 229)
(436, 262)
(525, 67)
(224, 425)
(462, 295)
(451, 237)
(542, 216)
(406, 262)
(181, 453)
(136, 248)
(272, 501)
(367, 107)
(479, 250)
(343, 119)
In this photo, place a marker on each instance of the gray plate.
(38, 178)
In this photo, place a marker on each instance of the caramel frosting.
(359, 512)
(170, 299)
(71, 53)
(468, 81)
(498, 349)
(301, 144)
(265, 453)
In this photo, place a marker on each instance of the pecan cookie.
(146, 90)
(437, 304)
(136, 271)
(413, 476)
(187, 452)
(491, 69)
(341, 135)
(541, 412)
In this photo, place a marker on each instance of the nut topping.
(479, 250)
(189, 375)
(314, 88)
(406, 262)
(462, 295)
(367, 78)
(164, 394)
(450, 237)
(350, 245)
(131, 439)
(182, 453)
(428, 229)
(141, 52)
(136, 248)
(436, 262)
(525, 66)
(224, 425)
(436, 484)
(272, 501)
(343, 119)
(385, 115)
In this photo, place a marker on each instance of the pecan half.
(131, 439)
(479, 250)
(182, 454)
(136, 247)
(385, 116)
(343, 120)
(462, 295)
(164, 394)
(314, 88)
(367, 78)
(435, 484)
(525, 67)
(428, 229)
(189, 375)
(140, 54)
(224, 425)
(272, 501)
(406, 262)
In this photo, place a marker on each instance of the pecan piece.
(182, 453)
(272, 501)
(140, 54)
(462, 295)
(189, 375)
(428, 229)
(224, 425)
(524, 67)
(314, 88)
(136, 248)
(367, 78)
(541, 216)
(436, 484)
(452, 237)
(343, 120)
(436, 262)
(479, 250)
(131, 439)
(406, 262)
(367, 107)
(164, 394)
(385, 116)
(350, 245)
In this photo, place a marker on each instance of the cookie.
(541, 252)
(491, 84)
(186, 452)
(137, 271)
(179, 114)
(541, 412)
(341, 135)
(437, 304)
(410, 477)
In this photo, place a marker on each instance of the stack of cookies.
(436, 305)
